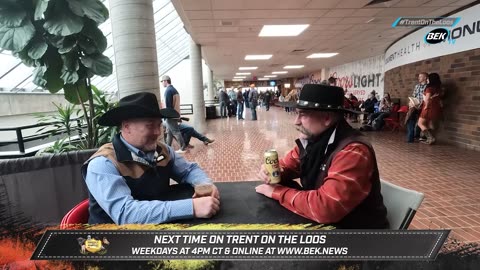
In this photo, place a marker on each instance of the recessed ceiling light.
(237, 80)
(258, 56)
(239, 77)
(321, 55)
(270, 76)
(293, 66)
(280, 72)
(263, 79)
(282, 30)
(243, 73)
(247, 68)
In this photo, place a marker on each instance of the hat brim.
(115, 116)
(291, 104)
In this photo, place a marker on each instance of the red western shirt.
(345, 187)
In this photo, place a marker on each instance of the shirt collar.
(148, 156)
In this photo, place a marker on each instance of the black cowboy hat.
(319, 97)
(138, 105)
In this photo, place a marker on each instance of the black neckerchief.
(314, 156)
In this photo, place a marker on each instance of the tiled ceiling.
(228, 30)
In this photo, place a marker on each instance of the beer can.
(272, 166)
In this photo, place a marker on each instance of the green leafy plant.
(62, 41)
(102, 104)
(60, 146)
(62, 120)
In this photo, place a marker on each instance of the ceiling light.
(282, 30)
(270, 76)
(321, 55)
(247, 68)
(293, 66)
(237, 80)
(280, 72)
(263, 79)
(239, 77)
(243, 73)
(258, 56)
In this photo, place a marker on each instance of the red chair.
(78, 215)
(393, 122)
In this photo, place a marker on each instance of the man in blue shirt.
(129, 179)
(172, 101)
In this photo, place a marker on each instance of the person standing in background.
(240, 101)
(233, 99)
(245, 97)
(253, 99)
(413, 131)
(223, 102)
(431, 107)
(172, 101)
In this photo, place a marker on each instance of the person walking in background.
(172, 101)
(253, 99)
(267, 99)
(240, 102)
(431, 107)
(413, 131)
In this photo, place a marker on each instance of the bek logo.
(437, 35)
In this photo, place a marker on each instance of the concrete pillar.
(133, 30)
(323, 74)
(211, 91)
(197, 87)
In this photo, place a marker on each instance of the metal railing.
(21, 140)
(23, 150)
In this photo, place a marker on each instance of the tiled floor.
(448, 175)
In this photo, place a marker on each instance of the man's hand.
(206, 190)
(264, 175)
(266, 190)
(205, 207)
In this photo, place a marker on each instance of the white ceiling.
(228, 30)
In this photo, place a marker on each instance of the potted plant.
(62, 41)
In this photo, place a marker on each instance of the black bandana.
(314, 156)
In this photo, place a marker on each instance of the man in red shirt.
(339, 180)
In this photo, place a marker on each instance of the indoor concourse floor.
(447, 175)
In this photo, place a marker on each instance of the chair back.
(78, 215)
(401, 204)
(403, 109)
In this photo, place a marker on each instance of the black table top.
(239, 203)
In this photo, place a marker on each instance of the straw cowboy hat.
(138, 105)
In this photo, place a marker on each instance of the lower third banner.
(240, 245)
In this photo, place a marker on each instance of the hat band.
(314, 105)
